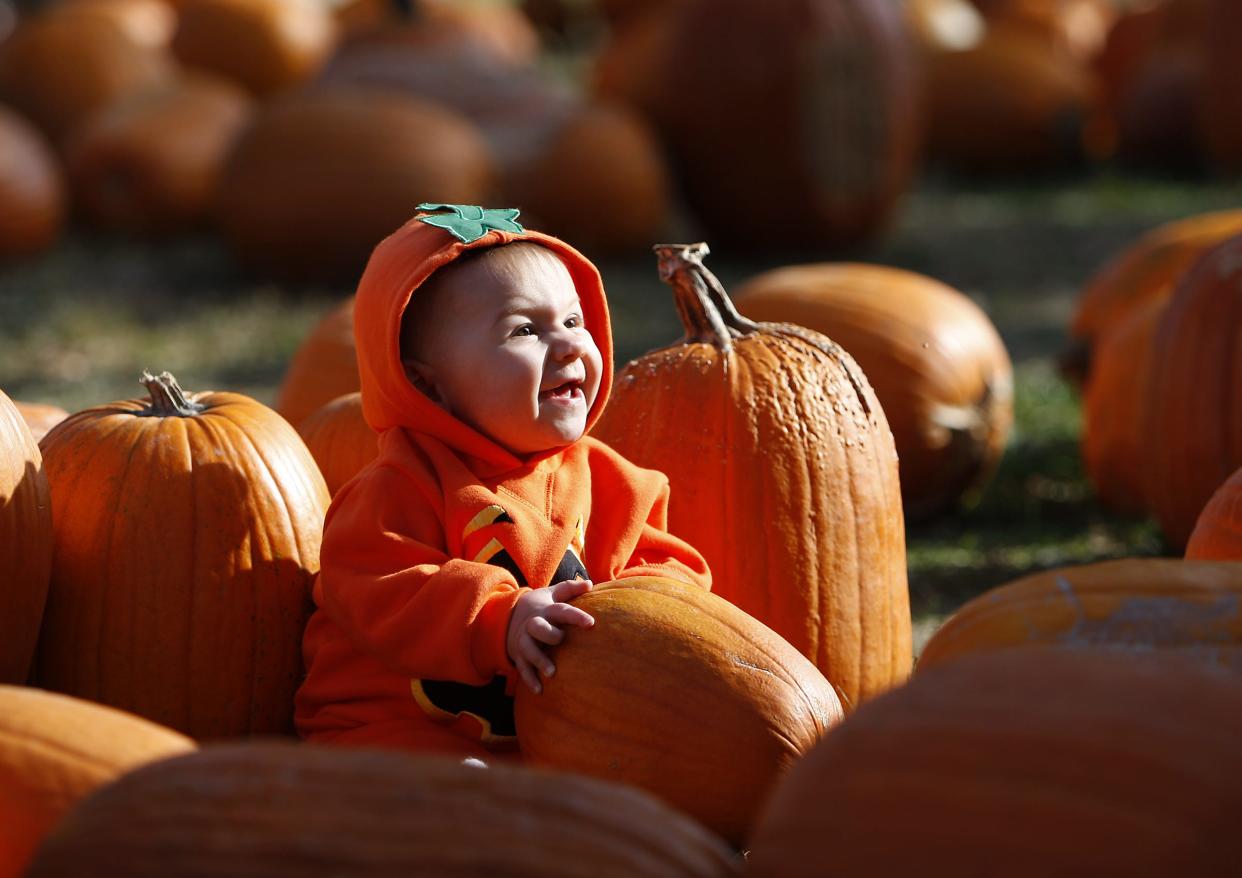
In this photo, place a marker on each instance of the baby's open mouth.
(565, 391)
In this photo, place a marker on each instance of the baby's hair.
(422, 304)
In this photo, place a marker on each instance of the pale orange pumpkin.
(187, 532)
(783, 474)
(1032, 762)
(1138, 606)
(54, 751)
(340, 439)
(40, 417)
(678, 692)
(1218, 530)
(324, 367)
(32, 189)
(298, 809)
(25, 543)
(936, 363)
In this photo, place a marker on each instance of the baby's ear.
(423, 378)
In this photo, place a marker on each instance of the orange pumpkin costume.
(427, 550)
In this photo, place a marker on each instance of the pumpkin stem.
(167, 398)
(705, 308)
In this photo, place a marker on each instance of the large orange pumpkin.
(324, 367)
(1145, 270)
(265, 45)
(25, 543)
(788, 123)
(151, 164)
(1218, 531)
(1034, 762)
(1136, 605)
(340, 439)
(187, 535)
(783, 475)
(678, 692)
(54, 750)
(296, 809)
(321, 177)
(32, 189)
(1114, 408)
(936, 363)
(1193, 426)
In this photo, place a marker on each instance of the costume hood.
(398, 267)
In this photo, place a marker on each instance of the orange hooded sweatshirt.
(426, 551)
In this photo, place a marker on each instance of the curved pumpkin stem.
(706, 310)
(168, 400)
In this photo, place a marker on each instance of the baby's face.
(509, 353)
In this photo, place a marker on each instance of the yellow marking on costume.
(486, 516)
(578, 543)
(439, 714)
(488, 552)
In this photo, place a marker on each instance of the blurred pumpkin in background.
(148, 23)
(32, 189)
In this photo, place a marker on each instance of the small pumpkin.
(40, 417)
(783, 475)
(676, 691)
(323, 368)
(54, 751)
(321, 176)
(297, 809)
(1143, 271)
(25, 543)
(936, 363)
(1114, 409)
(187, 531)
(150, 164)
(32, 189)
(148, 23)
(1134, 605)
(1031, 762)
(267, 46)
(1193, 423)
(1218, 530)
(340, 439)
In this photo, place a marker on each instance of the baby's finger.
(544, 631)
(570, 588)
(528, 676)
(568, 614)
(537, 657)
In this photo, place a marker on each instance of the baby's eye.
(573, 322)
(524, 329)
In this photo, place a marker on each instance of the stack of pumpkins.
(1155, 350)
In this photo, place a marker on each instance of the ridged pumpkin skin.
(340, 440)
(934, 359)
(58, 69)
(1193, 427)
(1135, 605)
(55, 750)
(1146, 270)
(321, 177)
(187, 536)
(1032, 763)
(676, 691)
(1114, 408)
(1218, 532)
(32, 189)
(783, 475)
(150, 165)
(285, 810)
(40, 417)
(323, 368)
(807, 137)
(25, 543)
(265, 45)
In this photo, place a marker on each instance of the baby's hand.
(538, 617)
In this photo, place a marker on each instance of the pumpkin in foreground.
(783, 475)
(1218, 532)
(1032, 762)
(25, 543)
(270, 810)
(54, 750)
(1167, 606)
(678, 692)
(936, 363)
(187, 530)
